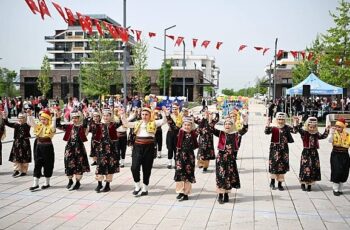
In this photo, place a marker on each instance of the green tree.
(101, 67)
(209, 89)
(7, 87)
(168, 72)
(44, 80)
(140, 79)
(229, 92)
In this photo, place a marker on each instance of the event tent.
(317, 87)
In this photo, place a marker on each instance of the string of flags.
(118, 32)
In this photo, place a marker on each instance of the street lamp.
(274, 71)
(124, 57)
(164, 65)
(184, 67)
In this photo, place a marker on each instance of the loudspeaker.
(306, 90)
(113, 89)
(345, 92)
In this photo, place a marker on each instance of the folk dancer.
(171, 136)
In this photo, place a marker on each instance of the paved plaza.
(254, 206)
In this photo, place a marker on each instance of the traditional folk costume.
(279, 151)
(227, 176)
(171, 136)
(310, 171)
(44, 155)
(340, 160)
(185, 158)
(143, 150)
(159, 132)
(75, 158)
(108, 158)
(21, 153)
(122, 141)
(2, 136)
(95, 128)
(132, 135)
(206, 150)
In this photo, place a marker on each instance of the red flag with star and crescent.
(218, 44)
(70, 16)
(43, 9)
(194, 42)
(178, 41)
(60, 11)
(32, 6)
(241, 47)
(205, 43)
(98, 27)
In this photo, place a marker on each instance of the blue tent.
(317, 87)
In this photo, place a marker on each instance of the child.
(95, 127)
(227, 176)
(75, 157)
(279, 151)
(21, 154)
(340, 160)
(310, 171)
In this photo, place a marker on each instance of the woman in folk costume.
(310, 171)
(279, 151)
(136, 113)
(75, 158)
(108, 159)
(122, 135)
(227, 176)
(340, 160)
(2, 133)
(206, 150)
(171, 136)
(159, 132)
(44, 155)
(143, 150)
(185, 158)
(21, 153)
(95, 128)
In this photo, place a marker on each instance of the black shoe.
(280, 187)
(220, 198)
(33, 188)
(200, 167)
(99, 186)
(22, 174)
(185, 197)
(226, 198)
(70, 183)
(309, 188)
(340, 193)
(94, 163)
(179, 196)
(144, 193)
(45, 186)
(272, 186)
(76, 186)
(336, 193)
(303, 187)
(16, 173)
(135, 193)
(205, 169)
(106, 188)
(169, 166)
(122, 166)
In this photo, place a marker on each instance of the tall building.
(203, 63)
(66, 51)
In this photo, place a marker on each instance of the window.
(79, 44)
(77, 33)
(287, 81)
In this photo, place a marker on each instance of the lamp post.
(124, 56)
(274, 71)
(164, 64)
(184, 67)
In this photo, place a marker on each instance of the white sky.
(234, 22)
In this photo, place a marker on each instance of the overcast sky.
(234, 22)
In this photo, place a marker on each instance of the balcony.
(75, 37)
(78, 49)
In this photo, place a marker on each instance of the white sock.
(170, 161)
(122, 161)
(137, 186)
(47, 181)
(35, 182)
(145, 188)
(159, 153)
(341, 186)
(335, 187)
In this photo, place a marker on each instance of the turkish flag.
(88, 24)
(98, 27)
(172, 37)
(151, 34)
(309, 57)
(294, 53)
(178, 41)
(70, 16)
(59, 9)
(302, 54)
(138, 35)
(258, 48)
(218, 44)
(205, 43)
(82, 21)
(124, 35)
(241, 47)
(112, 31)
(279, 54)
(43, 9)
(32, 6)
(194, 42)
(265, 50)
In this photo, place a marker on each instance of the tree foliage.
(100, 69)
(7, 87)
(140, 79)
(331, 59)
(168, 72)
(44, 80)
